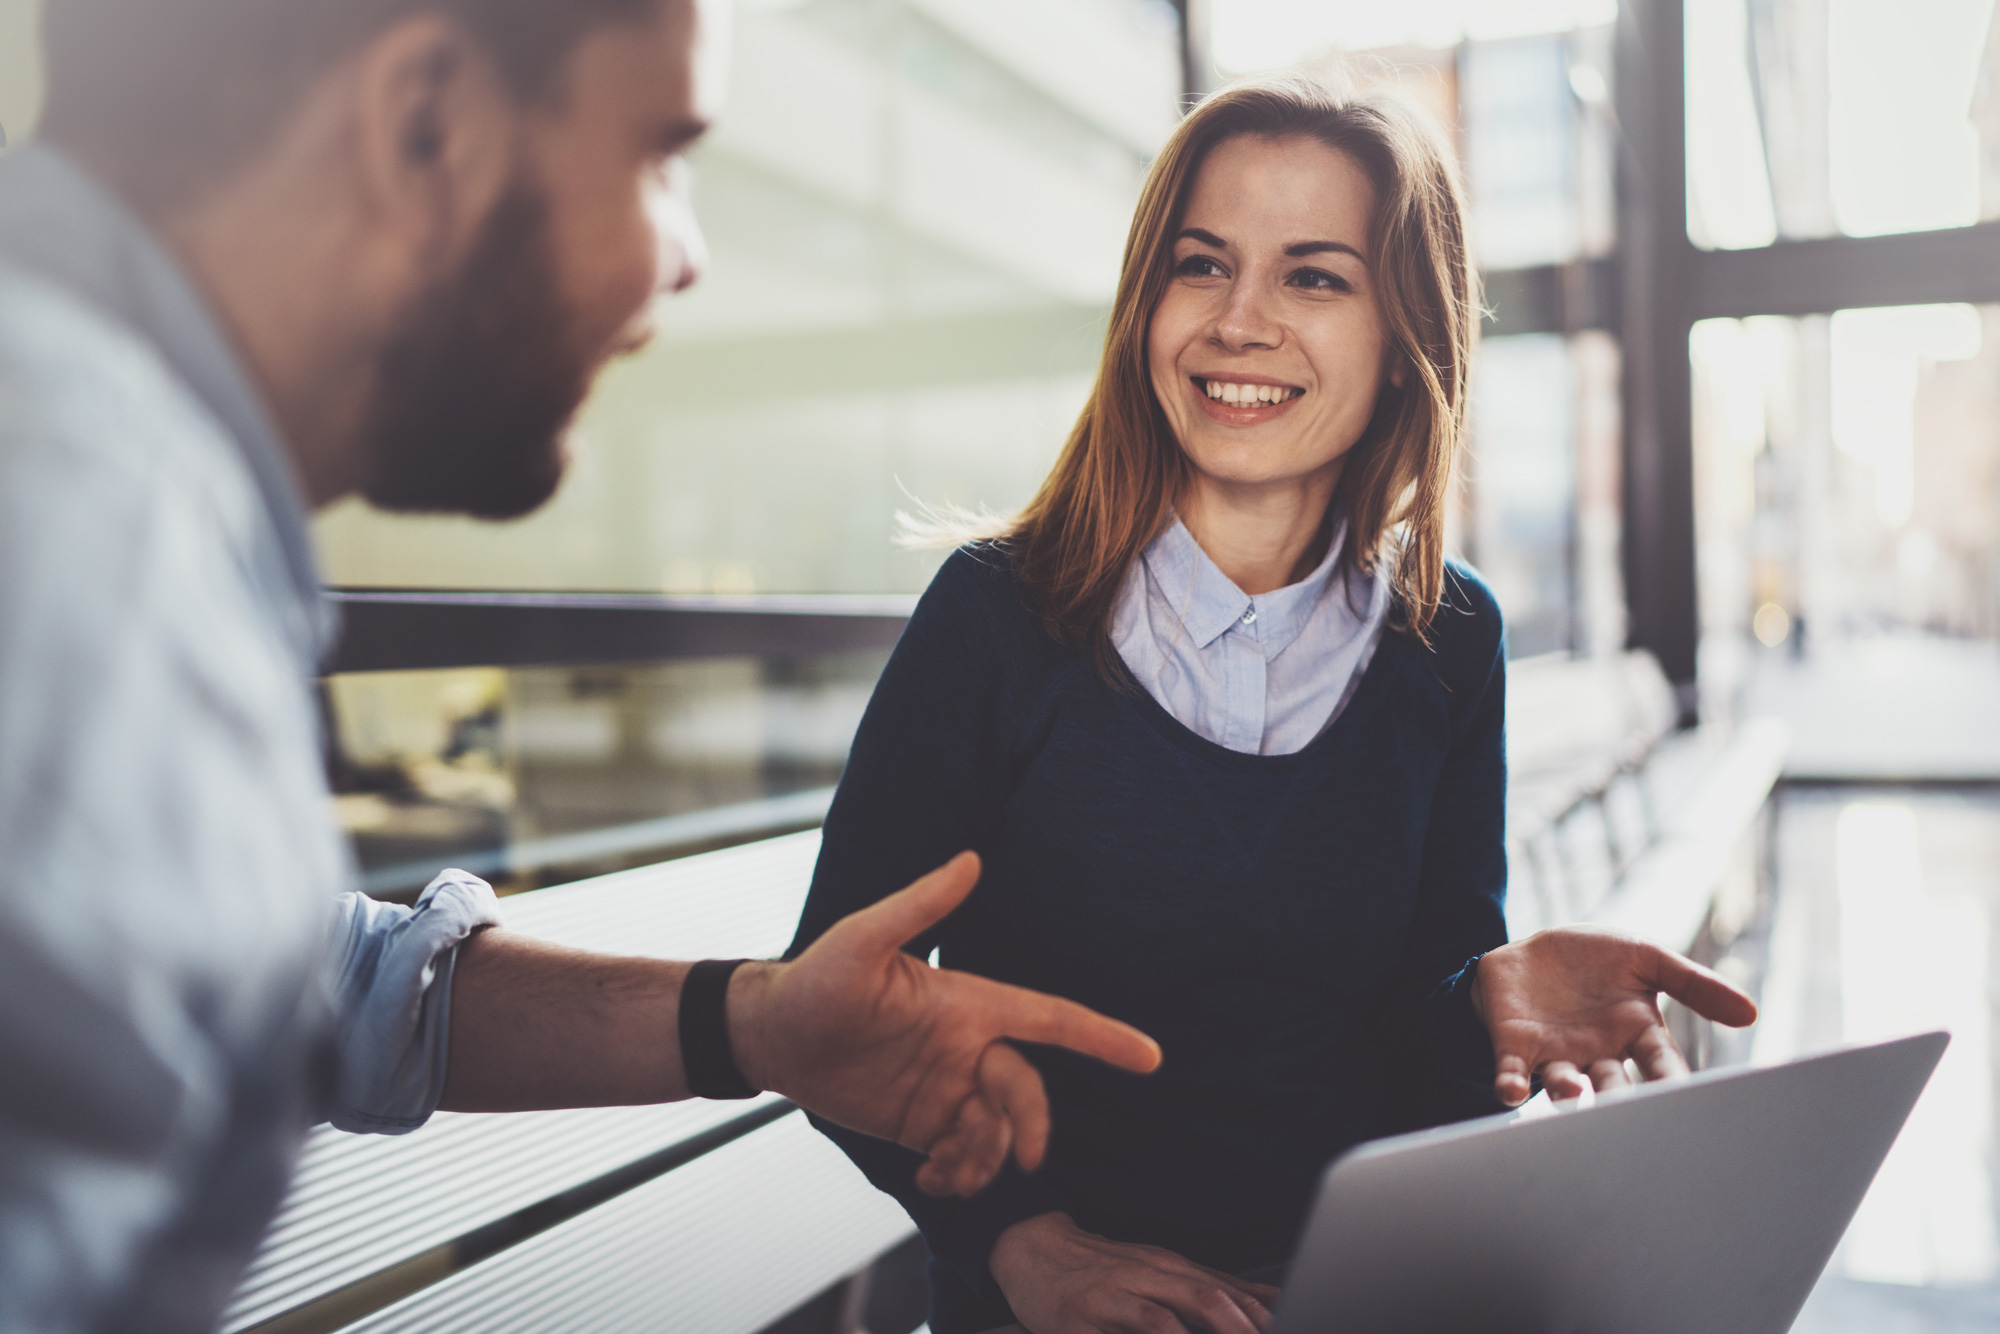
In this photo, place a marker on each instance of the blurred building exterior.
(1846, 464)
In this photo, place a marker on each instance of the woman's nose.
(1246, 320)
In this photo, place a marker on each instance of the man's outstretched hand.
(863, 1034)
(1573, 1003)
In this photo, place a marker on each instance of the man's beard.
(476, 387)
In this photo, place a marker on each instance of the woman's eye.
(1319, 280)
(1198, 266)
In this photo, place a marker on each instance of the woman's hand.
(1062, 1280)
(1573, 1003)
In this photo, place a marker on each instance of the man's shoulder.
(71, 370)
(117, 487)
(89, 410)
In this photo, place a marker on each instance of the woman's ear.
(1399, 372)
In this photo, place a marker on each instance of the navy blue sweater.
(1296, 930)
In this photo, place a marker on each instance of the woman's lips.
(1241, 412)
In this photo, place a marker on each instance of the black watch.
(706, 1055)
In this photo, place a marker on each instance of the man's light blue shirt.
(1263, 675)
(184, 986)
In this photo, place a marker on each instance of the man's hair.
(176, 92)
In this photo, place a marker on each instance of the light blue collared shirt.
(1263, 675)
(184, 987)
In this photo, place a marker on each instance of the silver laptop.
(1708, 1204)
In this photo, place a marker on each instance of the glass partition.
(1848, 480)
(537, 776)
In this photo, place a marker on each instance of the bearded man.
(270, 253)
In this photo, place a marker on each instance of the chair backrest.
(1564, 712)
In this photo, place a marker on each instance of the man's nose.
(682, 252)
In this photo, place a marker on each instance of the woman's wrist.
(1016, 1250)
(1478, 988)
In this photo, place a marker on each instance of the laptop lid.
(1710, 1203)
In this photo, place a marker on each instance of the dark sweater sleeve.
(1435, 1040)
(926, 779)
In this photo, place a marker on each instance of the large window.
(1848, 470)
(1849, 117)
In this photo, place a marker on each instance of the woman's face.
(1266, 351)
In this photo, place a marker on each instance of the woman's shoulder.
(979, 600)
(1468, 630)
(977, 577)
(1467, 594)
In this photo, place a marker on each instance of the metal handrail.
(398, 629)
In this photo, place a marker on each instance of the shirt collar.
(1209, 603)
(61, 225)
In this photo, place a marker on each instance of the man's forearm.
(854, 1029)
(536, 1025)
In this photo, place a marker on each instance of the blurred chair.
(1616, 818)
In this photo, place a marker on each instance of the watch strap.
(706, 1056)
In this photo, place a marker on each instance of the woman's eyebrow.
(1206, 238)
(1303, 248)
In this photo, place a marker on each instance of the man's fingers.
(1702, 991)
(1657, 1056)
(1609, 1074)
(1030, 1016)
(1015, 1087)
(903, 916)
(1512, 1082)
(988, 1137)
(971, 1152)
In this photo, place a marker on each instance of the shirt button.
(1250, 617)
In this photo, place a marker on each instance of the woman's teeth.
(1248, 394)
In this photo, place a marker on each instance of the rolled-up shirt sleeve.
(393, 980)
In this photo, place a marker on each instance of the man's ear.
(433, 131)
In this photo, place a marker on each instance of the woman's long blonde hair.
(1119, 475)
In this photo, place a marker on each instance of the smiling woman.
(1225, 725)
(1260, 329)
(1292, 240)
